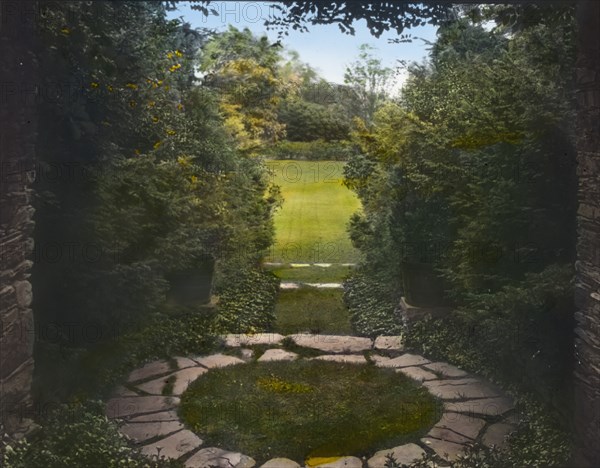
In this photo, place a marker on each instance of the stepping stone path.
(474, 409)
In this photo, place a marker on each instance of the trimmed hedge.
(372, 306)
(248, 304)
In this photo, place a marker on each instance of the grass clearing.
(307, 409)
(312, 274)
(311, 310)
(311, 225)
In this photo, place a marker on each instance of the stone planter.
(192, 286)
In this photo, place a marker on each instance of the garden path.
(473, 408)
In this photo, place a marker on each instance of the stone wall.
(587, 331)
(17, 149)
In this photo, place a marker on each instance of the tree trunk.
(587, 330)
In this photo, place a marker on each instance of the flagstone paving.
(474, 409)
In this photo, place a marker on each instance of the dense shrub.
(247, 302)
(516, 335)
(75, 436)
(317, 150)
(372, 304)
(64, 372)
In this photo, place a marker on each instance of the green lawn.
(307, 409)
(312, 274)
(311, 310)
(311, 226)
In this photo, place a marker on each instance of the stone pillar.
(18, 131)
(587, 331)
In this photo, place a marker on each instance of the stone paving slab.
(496, 433)
(217, 360)
(344, 462)
(280, 463)
(446, 369)
(143, 431)
(325, 285)
(131, 406)
(417, 373)
(389, 343)
(240, 339)
(462, 424)
(155, 387)
(448, 451)
(404, 454)
(246, 354)
(121, 391)
(452, 381)
(406, 360)
(486, 406)
(183, 362)
(185, 377)
(160, 416)
(213, 457)
(446, 434)
(333, 343)
(151, 369)
(343, 358)
(461, 392)
(174, 446)
(277, 355)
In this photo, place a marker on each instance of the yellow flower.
(132, 85)
(136, 151)
(171, 132)
(178, 53)
(65, 31)
(180, 106)
(151, 104)
(157, 144)
(110, 88)
(93, 84)
(183, 161)
(194, 179)
(170, 55)
(177, 66)
(154, 119)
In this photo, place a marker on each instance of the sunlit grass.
(311, 225)
(311, 310)
(306, 409)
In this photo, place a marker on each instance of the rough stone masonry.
(18, 131)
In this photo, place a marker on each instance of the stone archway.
(17, 140)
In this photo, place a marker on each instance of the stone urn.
(192, 285)
(423, 286)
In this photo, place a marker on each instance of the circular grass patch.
(305, 409)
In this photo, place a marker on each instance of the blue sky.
(324, 47)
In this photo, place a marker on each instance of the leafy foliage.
(317, 150)
(78, 435)
(246, 71)
(247, 303)
(372, 305)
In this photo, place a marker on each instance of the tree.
(245, 70)
(370, 81)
